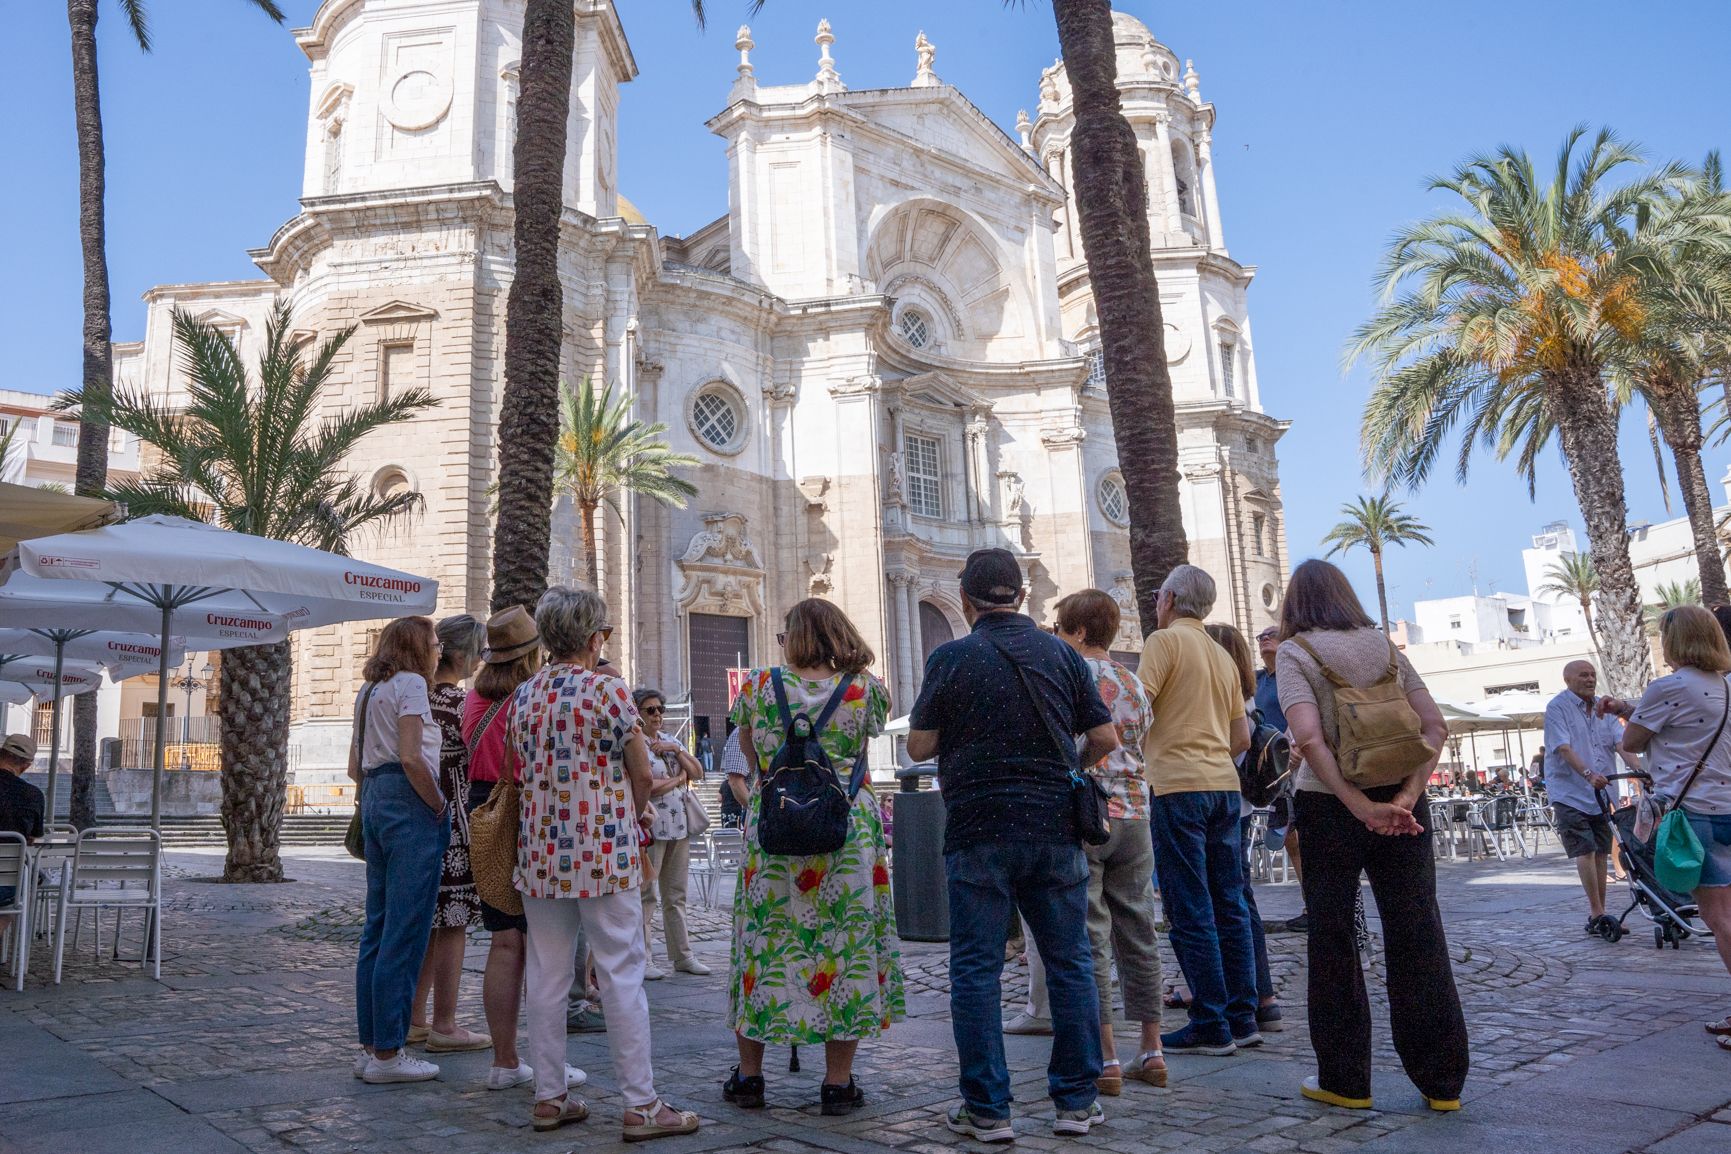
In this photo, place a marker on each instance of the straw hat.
(510, 634)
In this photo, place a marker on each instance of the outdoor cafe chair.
(118, 869)
(726, 853)
(15, 872)
(1494, 821)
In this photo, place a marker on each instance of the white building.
(881, 349)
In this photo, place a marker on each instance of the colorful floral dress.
(1121, 770)
(815, 956)
(459, 905)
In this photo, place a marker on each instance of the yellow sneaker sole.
(1317, 1094)
(1443, 1105)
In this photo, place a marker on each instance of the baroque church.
(883, 350)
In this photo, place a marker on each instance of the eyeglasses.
(781, 638)
(657, 710)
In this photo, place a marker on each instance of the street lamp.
(187, 683)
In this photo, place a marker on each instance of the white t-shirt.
(404, 695)
(1683, 710)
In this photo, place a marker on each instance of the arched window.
(915, 328)
(1114, 500)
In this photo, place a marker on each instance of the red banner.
(735, 682)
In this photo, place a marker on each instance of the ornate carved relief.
(1123, 591)
(720, 571)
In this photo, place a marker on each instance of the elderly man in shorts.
(1580, 751)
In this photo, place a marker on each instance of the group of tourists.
(1070, 783)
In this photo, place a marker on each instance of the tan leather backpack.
(1380, 738)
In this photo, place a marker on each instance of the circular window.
(1114, 501)
(1270, 595)
(390, 482)
(915, 328)
(717, 417)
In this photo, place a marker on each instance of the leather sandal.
(651, 1127)
(1722, 1027)
(571, 1109)
(1141, 1071)
(1111, 1079)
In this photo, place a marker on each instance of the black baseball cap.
(992, 577)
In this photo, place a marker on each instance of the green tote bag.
(1677, 853)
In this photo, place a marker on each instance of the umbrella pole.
(161, 717)
(54, 738)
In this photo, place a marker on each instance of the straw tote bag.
(493, 833)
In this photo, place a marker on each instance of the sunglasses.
(606, 632)
(657, 710)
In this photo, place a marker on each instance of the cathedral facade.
(883, 352)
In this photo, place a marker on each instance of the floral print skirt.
(815, 955)
(459, 906)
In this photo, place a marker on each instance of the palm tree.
(534, 310)
(1573, 576)
(252, 455)
(1672, 594)
(98, 370)
(1112, 210)
(1504, 314)
(1373, 524)
(603, 451)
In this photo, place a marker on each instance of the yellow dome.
(630, 212)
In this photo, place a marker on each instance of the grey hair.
(1192, 591)
(640, 695)
(568, 618)
(463, 636)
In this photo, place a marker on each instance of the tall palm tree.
(1373, 524)
(1671, 594)
(252, 455)
(1112, 210)
(1573, 576)
(98, 371)
(534, 310)
(1504, 314)
(604, 451)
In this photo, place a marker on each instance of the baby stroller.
(1674, 916)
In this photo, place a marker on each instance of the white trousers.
(672, 867)
(613, 926)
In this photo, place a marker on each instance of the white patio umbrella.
(12, 693)
(202, 582)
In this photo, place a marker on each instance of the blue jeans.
(1201, 861)
(1264, 978)
(1048, 884)
(405, 852)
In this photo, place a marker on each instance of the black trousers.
(1430, 1034)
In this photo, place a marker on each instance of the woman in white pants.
(673, 771)
(583, 769)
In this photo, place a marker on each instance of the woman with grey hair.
(672, 773)
(583, 770)
(458, 904)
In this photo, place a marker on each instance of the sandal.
(1722, 1027)
(1111, 1079)
(649, 1127)
(1176, 1001)
(571, 1109)
(1142, 1070)
(1724, 1041)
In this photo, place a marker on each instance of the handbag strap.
(1708, 752)
(1065, 748)
(474, 741)
(823, 718)
(361, 728)
(1334, 678)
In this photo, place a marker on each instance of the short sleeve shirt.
(1004, 778)
(21, 806)
(1569, 721)
(578, 833)
(1358, 657)
(402, 695)
(1194, 689)
(1683, 711)
(860, 716)
(1268, 699)
(488, 760)
(1121, 770)
(670, 822)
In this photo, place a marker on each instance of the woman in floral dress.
(815, 956)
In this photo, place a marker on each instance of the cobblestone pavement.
(246, 1042)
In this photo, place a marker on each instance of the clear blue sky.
(1331, 115)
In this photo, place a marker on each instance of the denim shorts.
(1714, 830)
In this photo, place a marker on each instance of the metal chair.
(1494, 822)
(16, 875)
(118, 869)
(726, 856)
(1442, 826)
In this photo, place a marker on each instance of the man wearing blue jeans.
(1199, 729)
(1000, 709)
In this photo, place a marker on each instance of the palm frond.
(137, 19)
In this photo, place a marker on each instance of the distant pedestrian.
(1329, 644)
(21, 805)
(1268, 705)
(458, 905)
(1000, 710)
(1581, 751)
(733, 767)
(1199, 728)
(583, 769)
(815, 955)
(394, 759)
(673, 773)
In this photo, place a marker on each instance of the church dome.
(1140, 55)
(630, 212)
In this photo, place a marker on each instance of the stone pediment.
(942, 119)
(720, 571)
(938, 391)
(398, 312)
(217, 318)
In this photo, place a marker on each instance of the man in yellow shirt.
(1199, 730)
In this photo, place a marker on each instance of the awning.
(26, 512)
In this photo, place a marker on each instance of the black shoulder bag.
(1088, 798)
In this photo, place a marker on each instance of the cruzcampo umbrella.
(202, 581)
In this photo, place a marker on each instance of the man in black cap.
(1000, 709)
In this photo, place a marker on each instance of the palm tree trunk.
(1679, 417)
(1381, 590)
(591, 563)
(534, 311)
(1587, 426)
(253, 706)
(98, 372)
(1112, 207)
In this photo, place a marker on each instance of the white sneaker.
(499, 1078)
(653, 973)
(361, 1060)
(693, 966)
(401, 1068)
(574, 1077)
(1026, 1023)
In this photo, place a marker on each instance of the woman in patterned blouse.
(583, 771)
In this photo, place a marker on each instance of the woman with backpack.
(1368, 735)
(815, 956)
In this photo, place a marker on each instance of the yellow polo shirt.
(1194, 688)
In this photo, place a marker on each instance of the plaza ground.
(246, 1044)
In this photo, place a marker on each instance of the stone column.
(901, 586)
(1168, 177)
(916, 642)
(1210, 201)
